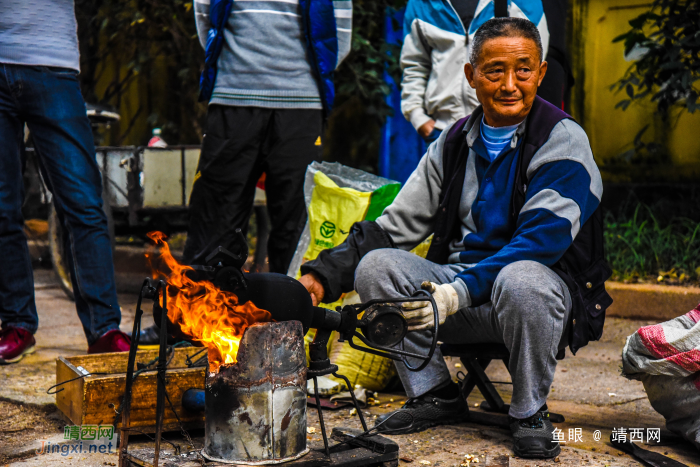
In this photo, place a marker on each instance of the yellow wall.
(597, 64)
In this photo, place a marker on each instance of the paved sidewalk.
(587, 390)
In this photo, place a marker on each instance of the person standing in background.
(268, 79)
(39, 66)
(437, 39)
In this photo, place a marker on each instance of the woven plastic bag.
(666, 359)
(336, 197)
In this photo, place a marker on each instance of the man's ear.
(469, 73)
(543, 71)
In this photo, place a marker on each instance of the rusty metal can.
(256, 408)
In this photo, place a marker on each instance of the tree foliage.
(149, 44)
(361, 107)
(668, 71)
(361, 75)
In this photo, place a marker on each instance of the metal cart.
(147, 189)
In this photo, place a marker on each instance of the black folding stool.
(476, 358)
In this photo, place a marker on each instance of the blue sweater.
(264, 60)
(39, 32)
(272, 53)
(564, 190)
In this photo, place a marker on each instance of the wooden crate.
(94, 399)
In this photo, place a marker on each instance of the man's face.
(506, 79)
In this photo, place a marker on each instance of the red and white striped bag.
(666, 358)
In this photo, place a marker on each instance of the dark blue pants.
(49, 101)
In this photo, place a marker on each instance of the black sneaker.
(423, 412)
(533, 437)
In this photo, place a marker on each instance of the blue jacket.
(322, 37)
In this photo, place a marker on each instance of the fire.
(206, 313)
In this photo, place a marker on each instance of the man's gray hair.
(504, 27)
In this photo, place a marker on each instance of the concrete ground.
(587, 390)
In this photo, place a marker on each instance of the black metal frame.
(476, 358)
(319, 363)
(152, 290)
(387, 352)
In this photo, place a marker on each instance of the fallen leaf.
(424, 462)
(310, 430)
(408, 460)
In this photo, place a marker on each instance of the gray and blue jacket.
(564, 188)
(435, 50)
(538, 201)
(270, 53)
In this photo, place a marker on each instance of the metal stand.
(150, 289)
(354, 448)
(320, 365)
(476, 358)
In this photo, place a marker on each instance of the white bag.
(666, 359)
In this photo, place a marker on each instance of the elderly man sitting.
(511, 194)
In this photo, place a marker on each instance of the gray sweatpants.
(528, 312)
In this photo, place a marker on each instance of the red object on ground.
(15, 343)
(111, 341)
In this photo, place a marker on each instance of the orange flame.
(206, 313)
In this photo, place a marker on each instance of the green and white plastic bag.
(336, 197)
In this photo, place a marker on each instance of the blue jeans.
(49, 101)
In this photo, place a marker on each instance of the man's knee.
(526, 286)
(375, 268)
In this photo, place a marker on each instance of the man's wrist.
(462, 293)
(418, 118)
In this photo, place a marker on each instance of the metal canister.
(256, 408)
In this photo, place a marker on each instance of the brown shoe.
(111, 341)
(15, 343)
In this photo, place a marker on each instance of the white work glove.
(420, 314)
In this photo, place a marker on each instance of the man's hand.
(426, 128)
(420, 314)
(314, 287)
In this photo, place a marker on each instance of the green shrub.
(640, 248)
